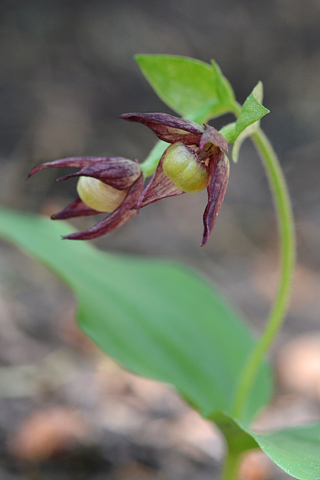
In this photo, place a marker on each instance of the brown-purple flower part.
(195, 160)
(106, 184)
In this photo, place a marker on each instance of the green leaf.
(296, 450)
(237, 437)
(163, 321)
(156, 318)
(249, 119)
(224, 90)
(187, 85)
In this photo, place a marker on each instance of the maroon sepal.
(78, 162)
(219, 169)
(211, 135)
(117, 172)
(75, 209)
(168, 128)
(160, 186)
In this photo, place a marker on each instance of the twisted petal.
(117, 218)
(168, 128)
(118, 172)
(78, 162)
(216, 191)
(160, 186)
(75, 209)
(211, 135)
(81, 162)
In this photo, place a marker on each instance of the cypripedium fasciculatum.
(194, 161)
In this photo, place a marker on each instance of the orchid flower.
(195, 160)
(106, 184)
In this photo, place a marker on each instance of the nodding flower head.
(195, 160)
(107, 184)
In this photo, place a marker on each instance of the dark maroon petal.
(117, 218)
(211, 135)
(78, 162)
(160, 186)
(168, 128)
(116, 171)
(216, 191)
(75, 209)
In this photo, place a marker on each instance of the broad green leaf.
(237, 437)
(249, 119)
(163, 321)
(156, 318)
(187, 85)
(296, 450)
(224, 90)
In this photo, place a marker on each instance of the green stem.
(287, 262)
(230, 465)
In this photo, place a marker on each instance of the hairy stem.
(287, 262)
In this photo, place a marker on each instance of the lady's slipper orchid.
(194, 161)
(108, 184)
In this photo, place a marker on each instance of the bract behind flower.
(219, 171)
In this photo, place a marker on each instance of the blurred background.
(66, 73)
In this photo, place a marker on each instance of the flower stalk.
(287, 263)
(230, 465)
